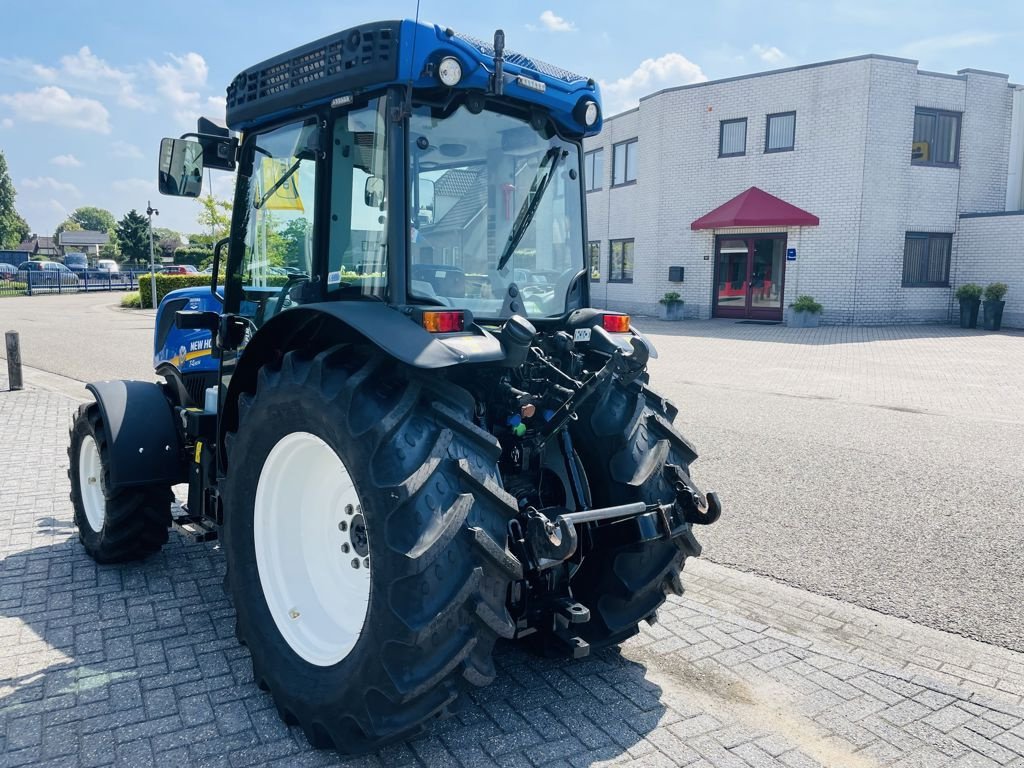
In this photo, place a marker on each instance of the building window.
(936, 138)
(621, 266)
(593, 170)
(594, 253)
(732, 138)
(780, 135)
(624, 163)
(926, 260)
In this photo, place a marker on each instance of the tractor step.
(197, 529)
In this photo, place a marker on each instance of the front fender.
(144, 445)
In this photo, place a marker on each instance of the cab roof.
(377, 54)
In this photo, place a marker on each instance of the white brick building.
(885, 155)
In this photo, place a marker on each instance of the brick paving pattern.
(138, 665)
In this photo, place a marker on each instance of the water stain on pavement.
(763, 705)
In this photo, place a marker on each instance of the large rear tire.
(114, 524)
(435, 565)
(625, 439)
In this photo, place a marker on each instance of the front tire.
(115, 525)
(398, 638)
(625, 440)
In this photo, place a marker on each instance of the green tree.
(214, 216)
(13, 228)
(94, 219)
(293, 237)
(91, 218)
(133, 236)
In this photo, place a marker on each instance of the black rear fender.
(315, 327)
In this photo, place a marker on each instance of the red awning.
(756, 208)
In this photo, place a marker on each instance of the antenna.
(499, 62)
(412, 61)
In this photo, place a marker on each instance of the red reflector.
(444, 322)
(615, 323)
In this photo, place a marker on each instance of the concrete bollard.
(13, 361)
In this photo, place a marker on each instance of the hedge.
(167, 283)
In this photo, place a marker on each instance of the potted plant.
(806, 312)
(994, 304)
(969, 295)
(672, 306)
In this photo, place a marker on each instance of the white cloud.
(933, 46)
(652, 74)
(66, 161)
(134, 185)
(51, 104)
(83, 71)
(6, 123)
(89, 72)
(768, 54)
(179, 81)
(555, 23)
(50, 183)
(124, 149)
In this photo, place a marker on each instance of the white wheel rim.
(90, 483)
(313, 562)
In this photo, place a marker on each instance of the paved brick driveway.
(137, 665)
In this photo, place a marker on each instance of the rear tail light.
(444, 322)
(615, 323)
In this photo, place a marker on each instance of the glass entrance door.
(731, 278)
(749, 276)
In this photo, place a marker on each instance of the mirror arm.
(216, 265)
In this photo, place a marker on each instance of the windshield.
(496, 225)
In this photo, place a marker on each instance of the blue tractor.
(394, 404)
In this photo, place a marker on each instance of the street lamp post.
(151, 212)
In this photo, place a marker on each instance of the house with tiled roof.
(39, 247)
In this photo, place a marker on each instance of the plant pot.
(994, 315)
(673, 311)
(799, 319)
(969, 312)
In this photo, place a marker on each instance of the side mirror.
(373, 193)
(181, 168)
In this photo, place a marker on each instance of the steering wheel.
(283, 298)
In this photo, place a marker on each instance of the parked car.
(107, 265)
(178, 269)
(76, 262)
(7, 271)
(46, 273)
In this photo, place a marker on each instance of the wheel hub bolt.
(345, 547)
(293, 614)
(366, 562)
(355, 563)
(342, 526)
(348, 509)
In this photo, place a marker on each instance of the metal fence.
(36, 282)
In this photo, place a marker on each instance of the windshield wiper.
(530, 205)
(278, 184)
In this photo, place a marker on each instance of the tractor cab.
(403, 166)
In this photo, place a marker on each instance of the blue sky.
(86, 94)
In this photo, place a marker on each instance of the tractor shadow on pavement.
(139, 663)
